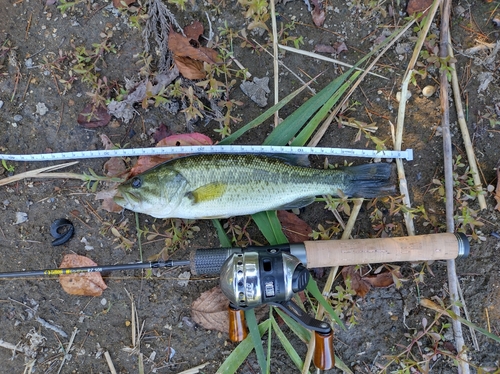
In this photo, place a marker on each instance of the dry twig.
(463, 365)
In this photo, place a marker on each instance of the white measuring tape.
(319, 151)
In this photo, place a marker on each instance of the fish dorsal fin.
(299, 203)
(208, 192)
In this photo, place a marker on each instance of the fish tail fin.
(369, 180)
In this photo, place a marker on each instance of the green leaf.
(312, 287)
(264, 116)
(287, 129)
(241, 352)
(223, 239)
(292, 353)
(254, 333)
(270, 226)
(313, 124)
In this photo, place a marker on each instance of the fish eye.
(136, 182)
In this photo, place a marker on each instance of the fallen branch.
(463, 365)
(465, 131)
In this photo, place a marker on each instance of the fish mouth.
(124, 198)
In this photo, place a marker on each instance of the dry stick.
(110, 363)
(403, 186)
(329, 282)
(37, 172)
(463, 128)
(324, 58)
(463, 365)
(313, 91)
(471, 158)
(275, 61)
(68, 349)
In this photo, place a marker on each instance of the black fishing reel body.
(271, 276)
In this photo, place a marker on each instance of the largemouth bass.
(226, 185)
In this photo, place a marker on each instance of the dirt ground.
(36, 36)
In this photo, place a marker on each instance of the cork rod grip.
(364, 251)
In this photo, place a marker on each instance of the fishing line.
(209, 149)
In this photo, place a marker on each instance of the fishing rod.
(312, 254)
(253, 276)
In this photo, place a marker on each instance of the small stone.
(1, 104)
(41, 109)
(257, 90)
(18, 118)
(21, 217)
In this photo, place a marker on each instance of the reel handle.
(237, 324)
(324, 355)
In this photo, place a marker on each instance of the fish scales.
(225, 185)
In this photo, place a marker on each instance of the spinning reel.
(273, 276)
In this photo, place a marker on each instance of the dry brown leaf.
(384, 279)
(325, 48)
(85, 284)
(194, 30)
(189, 68)
(181, 46)
(363, 284)
(318, 13)
(357, 283)
(295, 229)
(210, 310)
(147, 162)
(416, 6)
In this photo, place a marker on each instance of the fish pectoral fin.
(299, 203)
(208, 192)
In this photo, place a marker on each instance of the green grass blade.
(292, 353)
(313, 124)
(312, 287)
(269, 343)
(223, 239)
(253, 329)
(339, 364)
(264, 116)
(270, 227)
(241, 352)
(282, 134)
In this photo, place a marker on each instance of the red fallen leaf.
(85, 284)
(194, 30)
(161, 132)
(295, 229)
(147, 162)
(92, 116)
(181, 46)
(189, 68)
